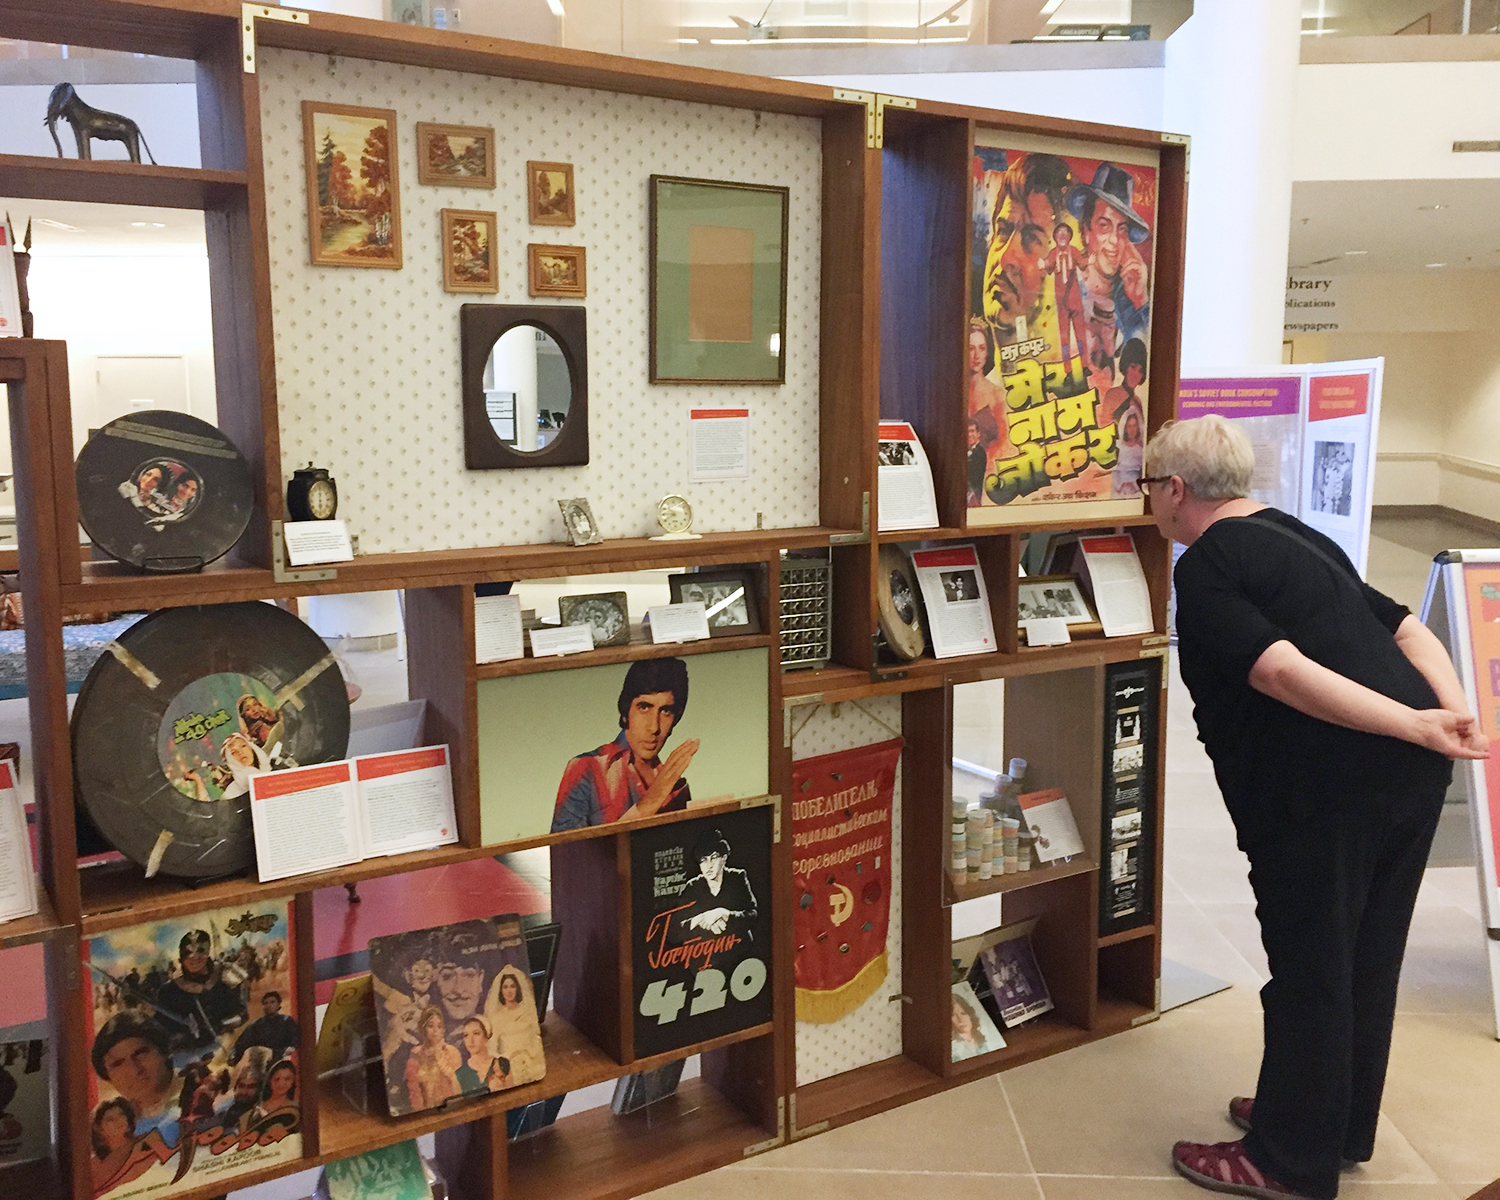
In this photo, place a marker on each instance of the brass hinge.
(1156, 639)
(883, 102)
(772, 1143)
(804, 1131)
(875, 106)
(1181, 139)
(248, 13)
(278, 563)
(855, 539)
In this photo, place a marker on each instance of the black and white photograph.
(896, 454)
(578, 520)
(903, 599)
(1125, 827)
(960, 585)
(1127, 760)
(1333, 478)
(1055, 596)
(1015, 979)
(727, 596)
(1127, 726)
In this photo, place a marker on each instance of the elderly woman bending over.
(1330, 714)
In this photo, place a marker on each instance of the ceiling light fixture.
(148, 224)
(1431, 207)
(58, 225)
(1437, 264)
(1351, 253)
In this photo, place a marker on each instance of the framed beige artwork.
(549, 193)
(469, 251)
(556, 271)
(353, 200)
(456, 155)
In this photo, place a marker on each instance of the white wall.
(1394, 120)
(137, 305)
(1111, 96)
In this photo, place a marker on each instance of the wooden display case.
(894, 201)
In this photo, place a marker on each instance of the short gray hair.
(1212, 457)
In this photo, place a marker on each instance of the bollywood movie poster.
(701, 928)
(193, 1035)
(1062, 260)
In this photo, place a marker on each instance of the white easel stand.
(674, 537)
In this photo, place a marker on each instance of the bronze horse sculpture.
(90, 122)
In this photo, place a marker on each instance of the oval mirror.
(528, 388)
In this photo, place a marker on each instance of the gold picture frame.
(551, 200)
(353, 195)
(469, 251)
(456, 155)
(557, 270)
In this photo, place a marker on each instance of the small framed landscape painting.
(549, 193)
(456, 155)
(469, 251)
(353, 202)
(556, 271)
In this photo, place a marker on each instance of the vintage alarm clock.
(312, 495)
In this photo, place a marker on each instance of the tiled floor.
(1097, 1123)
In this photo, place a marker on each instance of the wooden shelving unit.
(891, 338)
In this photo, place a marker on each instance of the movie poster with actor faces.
(1062, 263)
(193, 1038)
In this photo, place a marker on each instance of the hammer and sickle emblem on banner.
(842, 904)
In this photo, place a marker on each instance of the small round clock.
(311, 495)
(675, 516)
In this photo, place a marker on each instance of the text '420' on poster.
(1062, 262)
(193, 1038)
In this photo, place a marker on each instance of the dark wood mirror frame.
(480, 327)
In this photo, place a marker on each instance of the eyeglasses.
(1146, 482)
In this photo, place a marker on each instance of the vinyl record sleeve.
(187, 705)
(163, 491)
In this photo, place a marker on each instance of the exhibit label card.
(565, 639)
(1120, 592)
(1047, 631)
(497, 629)
(687, 622)
(311, 542)
(17, 883)
(1049, 817)
(906, 496)
(718, 444)
(406, 800)
(958, 610)
(305, 819)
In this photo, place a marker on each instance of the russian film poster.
(1062, 259)
(193, 1035)
(701, 927)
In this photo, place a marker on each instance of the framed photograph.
(549, 193)
(606, 613)
(456, 155)
(718, 281)
(469, 251)
(578, 520)
(556, 271)
(729, 596)
(1056, 596)
(353, 202)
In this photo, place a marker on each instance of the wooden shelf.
(596, 1155)
(946, 533)
(115, 587)
(862, 1092)
(34, 177)
(618, 654)
(851, 683)
(954, 893)
(38, 1180)
(1115, 1015)
(1127, 935)
(573, 1062)
(118, 893)
(38, 927)
(1037, 1038)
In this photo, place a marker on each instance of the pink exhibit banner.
(1270, 396)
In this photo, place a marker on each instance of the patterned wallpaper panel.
(367, 361)
(873, 1031)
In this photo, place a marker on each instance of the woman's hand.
(1453, 734)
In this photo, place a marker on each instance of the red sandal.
(1225, 1167)
(1241, 1109)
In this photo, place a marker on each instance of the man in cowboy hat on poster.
(1117, 302)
